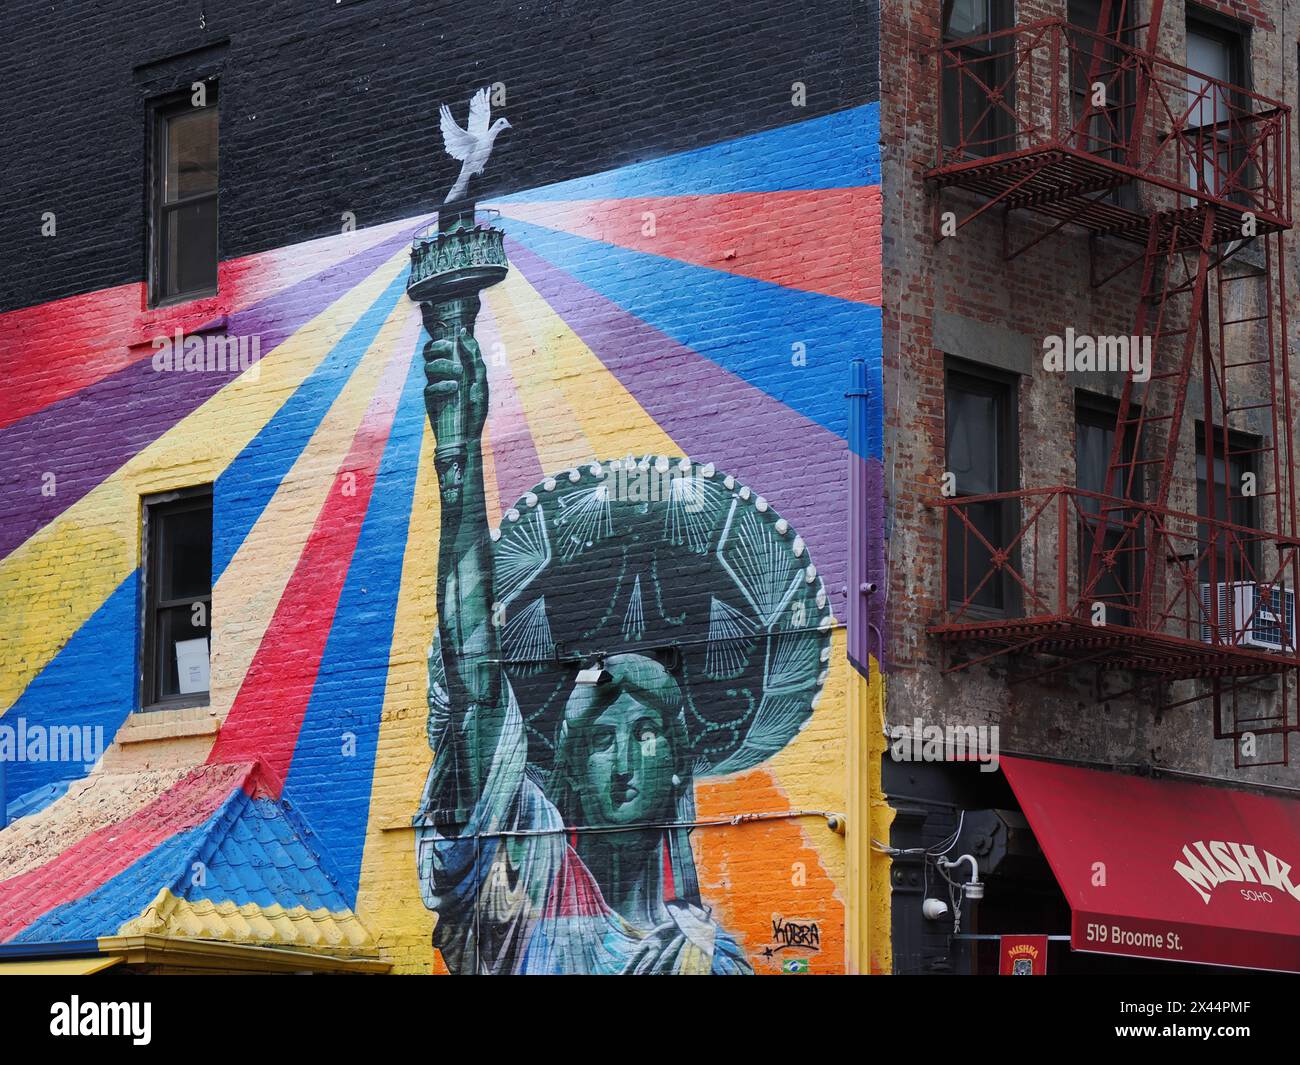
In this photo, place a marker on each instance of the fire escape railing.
(1051, 89)
(1016, 557)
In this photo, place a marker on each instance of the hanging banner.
(1023, 956)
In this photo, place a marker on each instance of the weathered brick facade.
(960, 297)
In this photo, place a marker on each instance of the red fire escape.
(1085, 128)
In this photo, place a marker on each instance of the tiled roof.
(89, 804)
(238, 868)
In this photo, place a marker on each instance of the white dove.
(472, 146)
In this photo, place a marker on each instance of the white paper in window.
(192, 665)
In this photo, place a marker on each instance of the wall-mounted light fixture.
(596, 673)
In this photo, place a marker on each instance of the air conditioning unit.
(1263, 614)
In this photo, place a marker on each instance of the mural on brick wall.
(634, 623)
(658, 502)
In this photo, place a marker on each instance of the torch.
(453, 261)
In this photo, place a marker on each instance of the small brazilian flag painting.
(795, 965)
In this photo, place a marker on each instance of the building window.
(1235, 556)
(1101, 130)
(183, 217)
(177, 599)
(1215, 54)
(971, 119)
(982, 444)
(1101, 525)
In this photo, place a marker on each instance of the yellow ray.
(820, 742)
(556, 434)
(54, 581)
(388, 897)
(605, 414)
(491, 490)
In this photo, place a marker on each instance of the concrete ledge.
(965, 338)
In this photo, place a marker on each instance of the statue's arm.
(456, 398)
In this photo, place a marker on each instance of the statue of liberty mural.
(633, 625)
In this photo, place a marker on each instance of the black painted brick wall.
(330, 106)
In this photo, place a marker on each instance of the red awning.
(1166, 869)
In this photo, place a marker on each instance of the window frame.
(1209, 25)
(153, 507)
(159, 111)
(1004, 389)
(1245, 448)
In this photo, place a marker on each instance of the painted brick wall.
(694, 254)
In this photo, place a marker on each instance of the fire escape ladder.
(1138, 442)
(1254, 379)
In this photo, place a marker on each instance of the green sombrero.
(671, 559)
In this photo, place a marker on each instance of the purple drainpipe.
(860, 591)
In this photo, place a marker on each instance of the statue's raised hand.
(456, 396)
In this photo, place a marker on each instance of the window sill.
(145, 726)
(170, 302)
(156, 322)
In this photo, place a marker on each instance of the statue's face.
(629, 768)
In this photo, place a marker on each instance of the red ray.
(272, 700)
(52, 350)
(826, 240)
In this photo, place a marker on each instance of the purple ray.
(518, 468)
(798, 466)
(84, 437)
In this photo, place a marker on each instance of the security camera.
(934, 909)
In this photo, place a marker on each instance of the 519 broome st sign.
(1137, 887)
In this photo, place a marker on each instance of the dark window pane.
(1236, 555)
(1114, 578)
(187, 558)
(190, 248)
(972, 441)
(1092, 454)
(969, 18)
(1211, 57)
(191, 164)
(1094, 437)
(970, 561)
(1085, 13)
